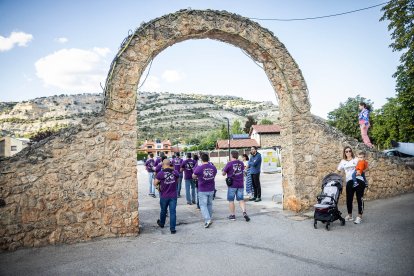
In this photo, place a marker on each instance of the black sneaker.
(232, 217)
(159, 223)
(252, 199)
(173, 231)
(246, 217)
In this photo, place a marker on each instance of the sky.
(50, 47)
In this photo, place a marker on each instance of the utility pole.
(228, 132)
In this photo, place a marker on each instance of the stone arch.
(81, 183)
(139, 48)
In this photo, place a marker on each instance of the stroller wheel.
(342, 222)
(328, 226)
(314, 224)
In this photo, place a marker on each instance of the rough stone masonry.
(82, 184)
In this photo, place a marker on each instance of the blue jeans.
(170, 203)
(355, 179)
(151, 185)
(206, 204)
(190, 198)
(180, 180)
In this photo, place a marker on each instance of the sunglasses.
(348, 151)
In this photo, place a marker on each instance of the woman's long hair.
(365, 106)
(344, 155)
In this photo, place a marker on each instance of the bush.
(141, 155)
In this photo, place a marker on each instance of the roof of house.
(168, 142)
(265, 129)
(236, 144)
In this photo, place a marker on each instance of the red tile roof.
(265, 129)
(236, 144)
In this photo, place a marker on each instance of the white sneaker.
(349, 218)
(358, 220)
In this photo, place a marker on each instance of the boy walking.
(205, 174)
(234, 170)
(149, 166)
(187, 167)
(177, 166)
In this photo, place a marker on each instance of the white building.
(9, 146)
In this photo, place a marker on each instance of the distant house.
(267, 136)
(236, 144)
(9, 146)
(158, 146)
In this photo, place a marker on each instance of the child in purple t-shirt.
(149, 166)
(166, 180)
(205, 174)
(234, 169)
(177, 162)
(187, 167)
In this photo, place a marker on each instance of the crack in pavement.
(301, 259)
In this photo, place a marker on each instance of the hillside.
(161, 115)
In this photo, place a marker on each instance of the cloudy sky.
(52, 47)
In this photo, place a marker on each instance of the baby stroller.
(327, 208)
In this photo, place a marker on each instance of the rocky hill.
(160, 115)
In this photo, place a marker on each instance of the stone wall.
(322, 147)
(270, 140)
(75, 186)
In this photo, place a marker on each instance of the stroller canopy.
(332, 177)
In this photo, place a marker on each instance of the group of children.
(166, 176)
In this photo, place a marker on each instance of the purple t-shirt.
(158, 168)
(205, 175)
(235, 170)
(149, 165)
(188, 166)
(168, 183)
(157, 161)
(177, 162)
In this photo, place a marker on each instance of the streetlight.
(228, 132)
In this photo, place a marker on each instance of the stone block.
(111, 135)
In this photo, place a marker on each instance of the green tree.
(249, 123)
(236, 127)
(265, 122)
(224, 134)
(400, 14)
(387, 124)
(345, 117)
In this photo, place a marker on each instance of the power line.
(318, 17)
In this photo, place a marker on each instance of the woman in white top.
(348, 164)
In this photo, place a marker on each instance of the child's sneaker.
(355, 184)
(232, 217)
(246, 217)
(349, 218)
(358, 220)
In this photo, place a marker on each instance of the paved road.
(274, 242)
